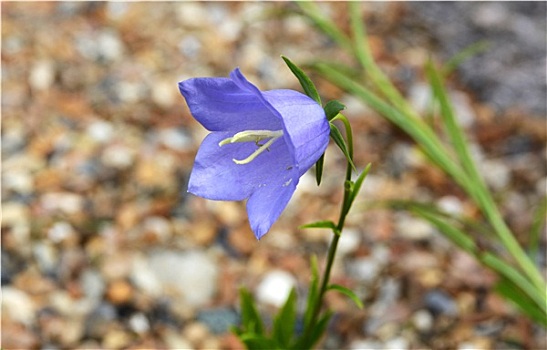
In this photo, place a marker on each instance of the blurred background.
(103, 248)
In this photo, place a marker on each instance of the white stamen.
(253, 136)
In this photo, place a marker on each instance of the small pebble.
(66, 202)
(422, 320)
(275, 287)
(218, 320)
(349, 241)
(413, 228)
(42, 75)
(175, 139)
(17, 305)
(139, 323)
(101, 131)
(440, 303)
(195, 275)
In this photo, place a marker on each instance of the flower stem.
(339, 227)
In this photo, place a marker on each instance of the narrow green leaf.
(318, 330)
(358, 183)
(285, 320)
(501, 267)
(313, 292)
(415, 127)
(304, 80)
(478, 189)
(537, 224)
(249, 315)
(332, 108)
(347, 292)
(506, 270)
(469, 51)
(319, 169)
(341, 143)
(521, 300)
(321, 224)
(259, 342)
(458, 237)
(312, 12)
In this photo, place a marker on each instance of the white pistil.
(253, 136)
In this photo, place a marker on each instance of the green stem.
(339, 227)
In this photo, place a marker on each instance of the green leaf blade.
(347, 292)
(319, 169)
(285, 321)
(305, 81)
(251, 320)
(336, 135)
(321, 224)
(332, 108)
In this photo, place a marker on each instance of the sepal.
(332, 108)
(305, 81)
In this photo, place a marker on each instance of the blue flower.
(261, 143)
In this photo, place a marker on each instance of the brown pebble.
(119, 292)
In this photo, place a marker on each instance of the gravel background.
(103, 248)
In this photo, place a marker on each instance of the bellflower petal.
(216, 176)
(260, 143)
(221, 105)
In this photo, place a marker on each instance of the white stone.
(275, 287)
(93, 285)
(413, 228)
(19, 181)
(144, 277)
(45, 254)
(451, 205)
(495, 173)
(349, 241)
(129, 92)
(60, 231)
(193, 274)
(42, 75)
(363, 344)
(118, 156)
(17, 305)
(109, 45)
(175, 139)
(464, 113)
(422, 320)
(364, 269)
(66, 202)
(398, 343)
(139, 323)
(192, 14)
(101, 131)
(419, 97)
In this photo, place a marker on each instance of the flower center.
(253, 136)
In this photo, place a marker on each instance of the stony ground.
(103, 248)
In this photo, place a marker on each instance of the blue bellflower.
(261, 143)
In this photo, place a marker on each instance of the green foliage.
(282, 335)
(250, 318)
(305, 81)
(322, 224)
(319, 169)
(336, 135)
(347, 292)
(332, 108)
(520, 279)
(283, 327)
